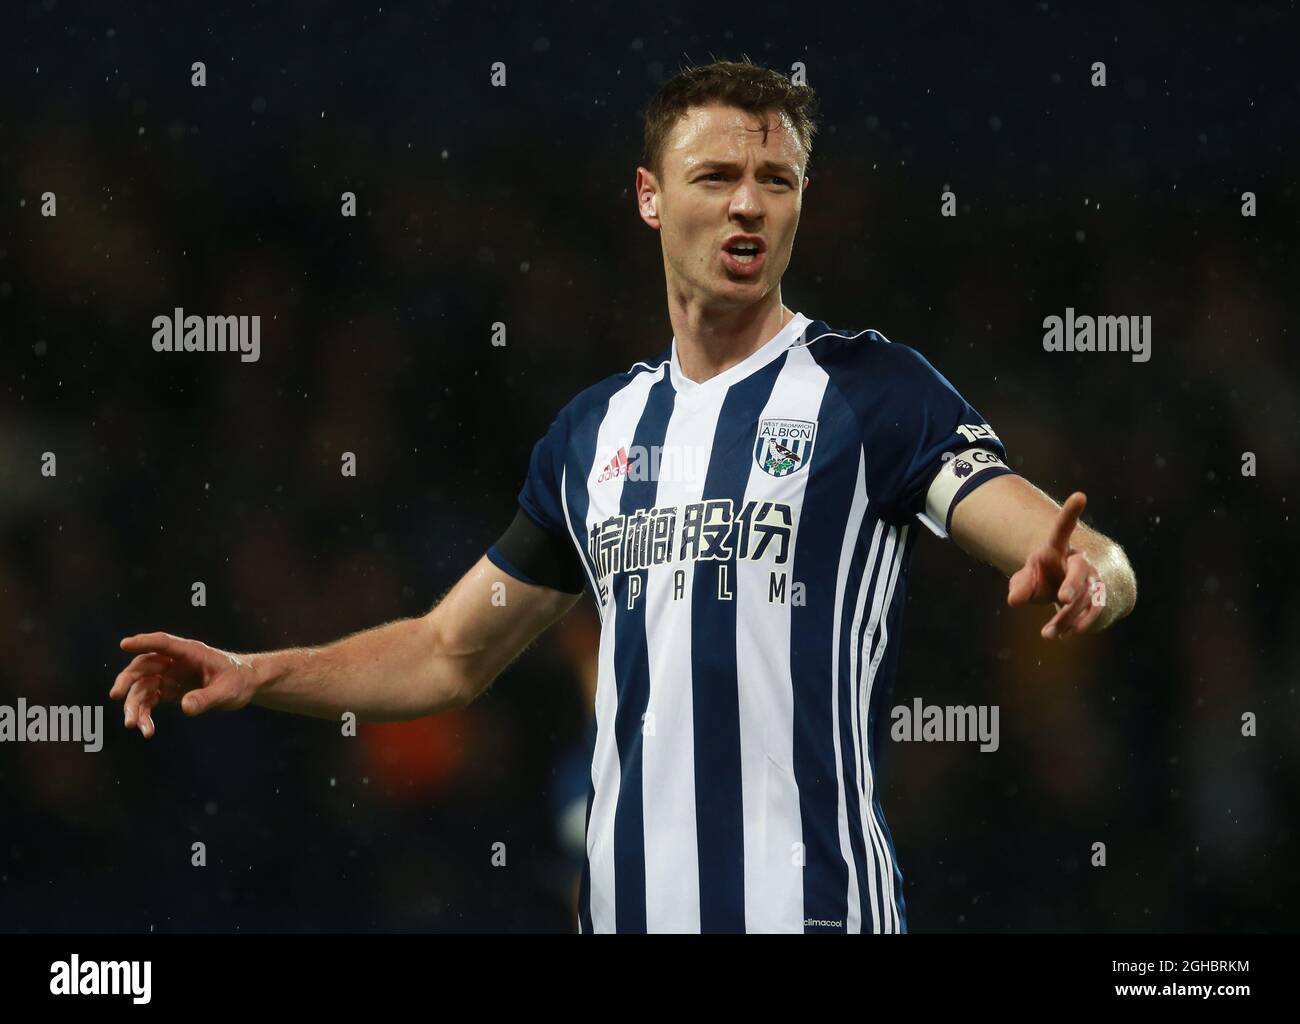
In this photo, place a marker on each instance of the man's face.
(724, 176)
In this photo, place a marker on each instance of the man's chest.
(713, 487)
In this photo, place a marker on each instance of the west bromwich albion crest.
(784, 446)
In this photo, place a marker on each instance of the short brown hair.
(734, 83)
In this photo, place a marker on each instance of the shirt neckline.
(756, 360)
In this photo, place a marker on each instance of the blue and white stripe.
(733, 770)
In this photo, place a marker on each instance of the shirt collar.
(757, 359)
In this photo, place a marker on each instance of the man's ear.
(647, 196)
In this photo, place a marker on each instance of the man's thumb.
(1019, 588)
(193, 703)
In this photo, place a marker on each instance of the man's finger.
(175, 646)
(1075, 582)
(1051, 630)
(1084, 619)
(131, 709)
(1022, 585)
(140, 665)
(1061, 623)
(1066, 520)
(1095, 602)
(147, 704)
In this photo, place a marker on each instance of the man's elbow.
(1121, 588)
(457, 672)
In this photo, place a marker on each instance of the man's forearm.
(1005, 522)
(387, 673)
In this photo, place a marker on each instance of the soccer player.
(742, 507)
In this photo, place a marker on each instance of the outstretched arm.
(400, 670)
(1047, 553)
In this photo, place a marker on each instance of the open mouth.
(745, 247)
(743, 255)
(744, 252)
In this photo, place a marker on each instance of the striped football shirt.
(746, 540)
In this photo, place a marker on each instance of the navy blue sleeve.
(536, 547)
(927, 447)
(540, 495)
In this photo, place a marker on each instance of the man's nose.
(746, 201)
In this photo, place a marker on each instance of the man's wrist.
(1111, 592)
(267, 669)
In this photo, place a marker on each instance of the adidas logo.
(617, 467)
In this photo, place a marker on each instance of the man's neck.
(708, 345)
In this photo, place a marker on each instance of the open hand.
(172, 668)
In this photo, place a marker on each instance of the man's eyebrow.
(731, 165)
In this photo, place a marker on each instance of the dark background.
(480, 204)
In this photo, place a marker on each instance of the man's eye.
(718, 176)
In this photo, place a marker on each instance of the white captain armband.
(954, 481)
